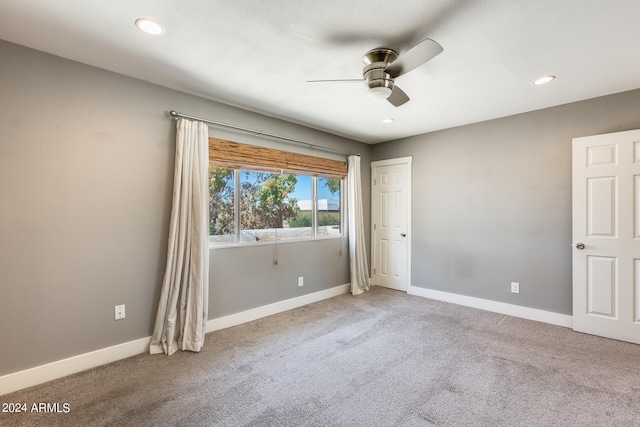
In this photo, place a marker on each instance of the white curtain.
(184, 300)
(360, 280)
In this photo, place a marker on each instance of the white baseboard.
(278, 307)
(495, 306)
(61, 368)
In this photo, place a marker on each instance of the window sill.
(224, 245)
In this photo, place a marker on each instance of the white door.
(391, 210)
(606, 235)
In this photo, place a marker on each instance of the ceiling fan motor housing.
(378, 82)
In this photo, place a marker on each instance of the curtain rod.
(176, 115)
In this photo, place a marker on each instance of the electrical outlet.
(120, 312)
(301, 281)
(515, 287)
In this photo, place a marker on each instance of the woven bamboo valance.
(234, 155)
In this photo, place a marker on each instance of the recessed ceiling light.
(389, 120)
(543, 80)
(149, 26)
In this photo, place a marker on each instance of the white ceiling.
(258, 54)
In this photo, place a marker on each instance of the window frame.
(315, 226)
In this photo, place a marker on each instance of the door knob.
(580, 246)
(403, 234)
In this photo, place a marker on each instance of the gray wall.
(86, 166)
(492, 201)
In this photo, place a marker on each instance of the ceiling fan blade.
(397, 97)
(414, 57)
(336, 81)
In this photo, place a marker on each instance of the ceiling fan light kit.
(379, 92)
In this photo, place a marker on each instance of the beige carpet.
(383, 358)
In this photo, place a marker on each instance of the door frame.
(408, 161)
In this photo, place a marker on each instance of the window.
(222, 205)
(269, 205)
(255, 206)
(259, 194)
(329, 202)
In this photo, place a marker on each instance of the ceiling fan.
(383, 65)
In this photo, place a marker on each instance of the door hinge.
(374, 271)
(374, 227)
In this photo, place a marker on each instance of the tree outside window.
(271, 206)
